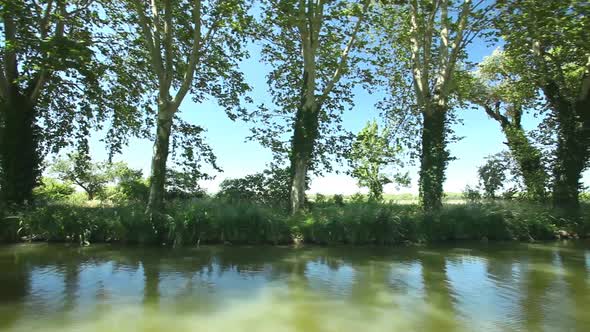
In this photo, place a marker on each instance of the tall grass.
(211, 220)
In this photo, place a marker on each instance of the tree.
(129, 184)
(270, 187)
(311, 47)
(182, 185)
(551, 40)
(53, 190)
(80, 170)
(427, 39)
(504, 90)
(182, 47)
(492, 176)
(48, 85)
(370, 154)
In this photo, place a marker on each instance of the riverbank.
(357, 223)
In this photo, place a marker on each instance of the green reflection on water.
(495, 287)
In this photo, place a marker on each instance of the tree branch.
(44, 74)
(83, 5)
(303, 28)
(344, 55)
(495, 114)
(195, 51)
(455, 46)
(427, 45)
(418, 68)
(155, 20)
(10, 62)
(3, 84)
(44, 22)
(168, 54)
(584, 93)
(156, 57)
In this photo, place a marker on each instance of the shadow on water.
(539, 284)
(437, 293)
(576, 281)
(14, 287)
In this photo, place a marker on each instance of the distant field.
(450, 198)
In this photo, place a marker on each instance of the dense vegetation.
(214, 220)
(123, 68)
(254, 210)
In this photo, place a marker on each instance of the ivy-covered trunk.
(571, 156)
(434, 157)
(573, 135)
(159, 158)
(19, 144)
(305, 133)
(528, 159)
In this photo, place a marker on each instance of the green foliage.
(471, 195)
(130, 186)
(500, 79)
(282, 28)
(421, 71)
(320, 199)
(49, 85)
(82, 224)
(212, 220)
(51, 190)
(360, 223)
(181, 185)
(128, 190)
(370, 153)
(337, 200)
(158, 54)
(492, 176)
(550, 43)
(269, 188)
(114, 182)
(217, 221)
(80, 170)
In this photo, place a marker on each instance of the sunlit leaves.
(282, 49)
(370, 158)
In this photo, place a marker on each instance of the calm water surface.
(495, 287)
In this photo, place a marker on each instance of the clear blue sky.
(238, 157)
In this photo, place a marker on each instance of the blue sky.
(239, 157)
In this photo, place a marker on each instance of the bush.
(269, 188)
(338, 200)
(51, 190)
(471, 195)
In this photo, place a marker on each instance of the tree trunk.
(304, 136)
(19, 144)
(573, 134)
(159, 158)
(434, 157)
(571, 158)
(529, 162)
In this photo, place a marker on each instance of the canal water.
(460, 287)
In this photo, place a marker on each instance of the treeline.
(124, 67)
(254, 210)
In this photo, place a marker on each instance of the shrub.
(338, 200)
(471, 194)
(51, 190)
(269, 188)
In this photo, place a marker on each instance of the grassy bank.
(212, 220)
